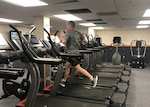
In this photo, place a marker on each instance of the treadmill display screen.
(14, 35)
(34, 40)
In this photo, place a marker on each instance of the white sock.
(91, 78)
(63, 80)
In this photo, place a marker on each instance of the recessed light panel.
(26, 3)
(144, 22)
(87, 24)
(68, 17)
(142, 26)
(147, 13)
(9, 20)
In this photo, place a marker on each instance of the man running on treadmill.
(70, 40)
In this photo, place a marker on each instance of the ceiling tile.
(99, 5)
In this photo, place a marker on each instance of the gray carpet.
(139, 90)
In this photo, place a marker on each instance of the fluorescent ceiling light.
(68, 17)
(142, 26)
(97, 28)
(26, 3)
(87, 24)
(147, 13)
(9, 20)
(144, 22)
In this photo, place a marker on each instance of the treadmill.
(80, 91)
(101, 98)
(116, 64)
(8, 53)
(103, 82)
(111, 73)
(52, 101)
(103, 72)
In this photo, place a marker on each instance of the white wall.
(126, 35)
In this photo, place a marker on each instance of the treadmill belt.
(60, 102)
(126, 72)
(109, 70)
(110, 66)
(123, 86)
(108, 75)
(81, 91)
(101, 82)
(125, 79)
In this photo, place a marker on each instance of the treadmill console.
(7, 53)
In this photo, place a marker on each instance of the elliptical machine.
(138, 60)
(116, 58)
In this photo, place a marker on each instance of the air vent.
(127, 19)
(95, 20)
(107, 13)
(100, 23)
(68, 1)
(75, 11)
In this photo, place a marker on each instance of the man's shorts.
(74, 61)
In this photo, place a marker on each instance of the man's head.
(70, 25)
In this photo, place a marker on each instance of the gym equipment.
(116, 58)
(105, 72)
(30, 59)
(10, 87)
(36, 59)
(118, 98)
(72, 91)
(138, 60)
(42, 51)
(103, 82)
(92, 41)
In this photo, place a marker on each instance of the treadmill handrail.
(34, 58)
(85, 51)
(9, 72)
(11, 69)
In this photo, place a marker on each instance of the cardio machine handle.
(32, 55)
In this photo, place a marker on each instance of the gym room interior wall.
(127, 35)
(5, 29)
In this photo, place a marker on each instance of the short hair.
(71, 23)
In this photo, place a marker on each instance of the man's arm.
(63, 40)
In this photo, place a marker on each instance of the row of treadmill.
(44, 73)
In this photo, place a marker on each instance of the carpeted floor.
(139, 90)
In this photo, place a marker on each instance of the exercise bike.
(138, 60)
